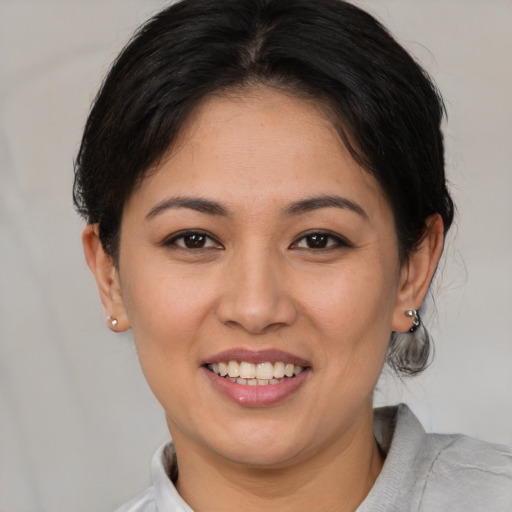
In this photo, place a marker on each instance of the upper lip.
(256, 356)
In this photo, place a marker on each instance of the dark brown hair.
(387, 110)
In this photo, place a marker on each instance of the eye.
(192, 240)
(319, 240)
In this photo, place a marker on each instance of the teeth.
(247, 370)
(251, 374)
(288, 369)
(278, 370)
(223, 369)
(233, 369)
(264, 371)
(297, 370)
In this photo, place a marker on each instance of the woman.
(264, 188)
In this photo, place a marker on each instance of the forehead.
(256, 148)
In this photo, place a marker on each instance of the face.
(259, 247)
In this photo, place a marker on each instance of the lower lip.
(256, 396)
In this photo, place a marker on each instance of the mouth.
(264, 373)
(256, 378)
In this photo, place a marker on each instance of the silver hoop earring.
(409, 352)
(415, 317)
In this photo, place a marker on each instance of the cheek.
(164, 317)
(165, 309)
(352, 308)
(352, 298)
(158, 294)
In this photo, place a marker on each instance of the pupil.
(317, 241)
(194, 241)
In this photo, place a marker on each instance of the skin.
(259, 283)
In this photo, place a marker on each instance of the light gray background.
(77, 422)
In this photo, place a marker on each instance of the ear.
(107, 278)
(416, 275)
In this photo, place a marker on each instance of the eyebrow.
(210, 207)
(324, 201)
(193, 203)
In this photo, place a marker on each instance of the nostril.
(256, 317)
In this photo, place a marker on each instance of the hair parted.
(383, 104)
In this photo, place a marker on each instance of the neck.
(336, 478)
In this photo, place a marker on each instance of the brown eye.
(192, 240)
(319, 240)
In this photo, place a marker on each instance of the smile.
(255, 374)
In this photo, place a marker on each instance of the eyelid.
(340, 240)
(170, 241)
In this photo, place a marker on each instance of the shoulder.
(467, 474)
(436, 472)
(145, 502)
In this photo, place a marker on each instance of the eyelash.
(339, 242)
(333, 241)
(172, 241)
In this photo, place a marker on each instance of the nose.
(257, 295)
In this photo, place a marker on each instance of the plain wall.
(78, 424)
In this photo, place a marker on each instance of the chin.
(263, 447)
(261, 456)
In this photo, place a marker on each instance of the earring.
(112, 321)
(415, 317)
(409, 351)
